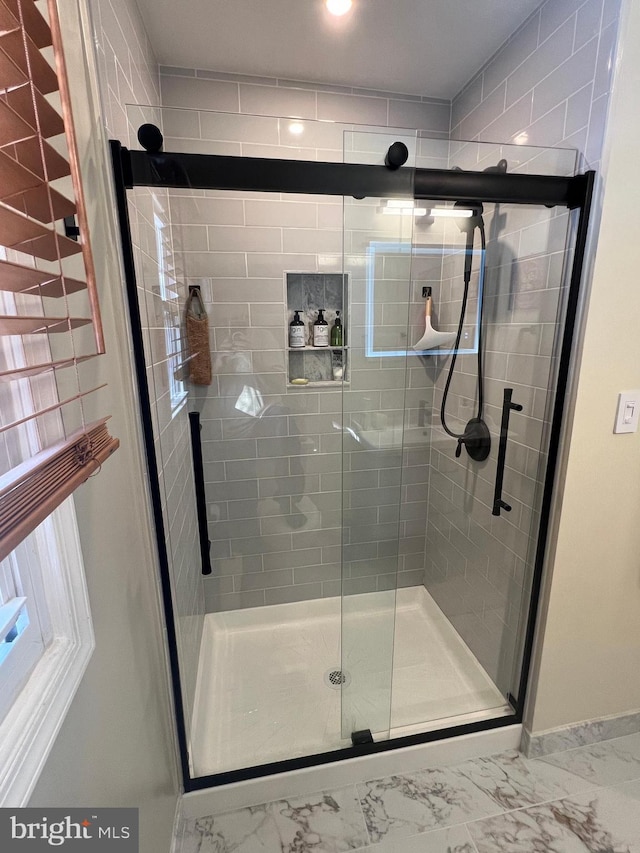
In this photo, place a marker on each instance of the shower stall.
(351, 537)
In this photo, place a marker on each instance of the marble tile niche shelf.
(308, 293)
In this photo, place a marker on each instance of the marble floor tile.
(405, 805)
(606, 820)
(455, 839)
(250, 830)
(605, 763)
(401, 806)
(328, 822)
(479, 806)
(514, 782)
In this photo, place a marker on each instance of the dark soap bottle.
(296, 331)
(321, 331)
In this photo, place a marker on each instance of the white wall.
(590, 657)
(115, 747)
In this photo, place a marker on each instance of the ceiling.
(422, 47)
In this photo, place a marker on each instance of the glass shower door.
(378, 235)
(483, 517)
(439, 543)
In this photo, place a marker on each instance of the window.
(22, 639)
(53, 432)
(171, 314)
(44, 651)
(46, 637)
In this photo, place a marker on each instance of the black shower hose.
(463, 310)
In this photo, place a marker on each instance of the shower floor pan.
(264, 691)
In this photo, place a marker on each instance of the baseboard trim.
(579, 734)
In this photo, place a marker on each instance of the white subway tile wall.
(273, 454)
(548, 85)
(129, 75)
(280, 474)
(497, 103)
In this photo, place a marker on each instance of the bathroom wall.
(548, 85)
(589, 649)
(128, 75)
(116, 745)
(274, 482)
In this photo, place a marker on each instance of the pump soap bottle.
(296, 331)
(321, 331)
(336, 332)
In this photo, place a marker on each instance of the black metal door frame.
(203, 171)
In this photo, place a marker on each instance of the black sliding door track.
(203, 171)
(255, 174)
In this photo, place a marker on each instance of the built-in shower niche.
(308, 293)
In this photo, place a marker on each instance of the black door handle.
(507, 407)
(201, 498)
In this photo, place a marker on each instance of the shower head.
(469, 223)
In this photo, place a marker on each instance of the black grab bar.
(201, 498)
(507, 406)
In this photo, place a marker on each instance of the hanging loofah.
(198, 339)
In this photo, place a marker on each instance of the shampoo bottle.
(296, 331)
(321, 331)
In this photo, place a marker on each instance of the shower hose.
(475, 222)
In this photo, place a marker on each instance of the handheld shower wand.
(476, 437)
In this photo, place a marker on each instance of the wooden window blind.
(53, 430)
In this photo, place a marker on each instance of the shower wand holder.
(476, 439)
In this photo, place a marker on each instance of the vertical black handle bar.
(507, 406)
(201, 498)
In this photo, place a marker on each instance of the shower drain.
(336, 678)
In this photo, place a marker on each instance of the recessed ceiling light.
(296, 127)
(339, 7)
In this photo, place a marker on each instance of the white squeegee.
(431, 338)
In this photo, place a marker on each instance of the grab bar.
(507, 406)
(201, 498)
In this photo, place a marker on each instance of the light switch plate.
(627, 412)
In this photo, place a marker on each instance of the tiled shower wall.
(274, 483)
(273, 452)
(550, 82)
(486, 602)
(128, 74)
(548, 85)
